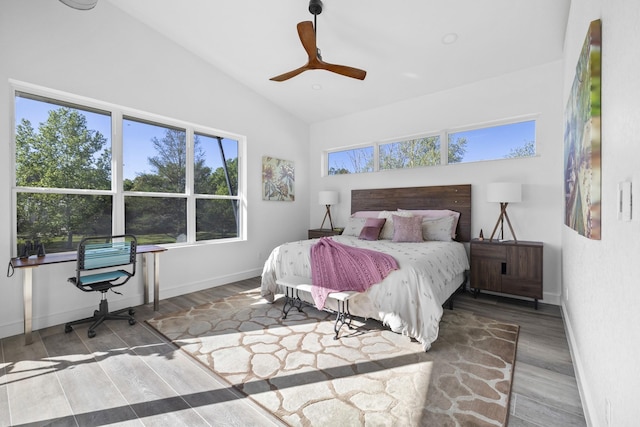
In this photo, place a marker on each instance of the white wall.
(534, 91)
(105, 55)
(600, 277)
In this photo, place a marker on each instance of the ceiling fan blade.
(287, 76)
(355, 73)
(308, 38)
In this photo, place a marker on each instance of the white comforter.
(409, 300)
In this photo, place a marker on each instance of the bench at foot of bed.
(294, 284)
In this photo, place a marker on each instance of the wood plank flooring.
(128, 375)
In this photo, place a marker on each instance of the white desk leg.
(156, 281)
(27, 289)
(145, 278)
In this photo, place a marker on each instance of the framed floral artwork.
(278, 179)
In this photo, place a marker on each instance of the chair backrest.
(107, 251)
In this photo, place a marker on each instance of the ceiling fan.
(307, 33)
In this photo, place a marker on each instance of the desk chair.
(97, 256)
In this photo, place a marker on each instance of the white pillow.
(387, 230)
(354, 226)
(437, 229)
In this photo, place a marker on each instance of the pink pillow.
(407, 229)
(372, 228)
(437, 213)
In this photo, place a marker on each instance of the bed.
(410, 299)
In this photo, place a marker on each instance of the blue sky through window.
(495, 142)
(138, 146)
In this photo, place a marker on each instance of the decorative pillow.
(437, 229)
(372, 228)
(407, 229)
(387, 230)
(354, 227)
(437, 213)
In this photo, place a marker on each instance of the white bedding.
(408, 300)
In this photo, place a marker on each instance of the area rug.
(371, 376)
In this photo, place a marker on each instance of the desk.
(55, 258)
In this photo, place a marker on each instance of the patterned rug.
(370, 376)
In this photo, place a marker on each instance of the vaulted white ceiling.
(402, 44)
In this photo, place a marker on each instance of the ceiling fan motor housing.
(315, 7)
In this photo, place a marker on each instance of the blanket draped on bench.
(337, 267)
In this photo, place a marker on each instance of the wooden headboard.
(454, 197)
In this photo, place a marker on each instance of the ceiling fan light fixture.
(80, 4)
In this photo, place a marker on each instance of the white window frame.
(117, 188)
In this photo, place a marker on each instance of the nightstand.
(316, 233)
(510, 267)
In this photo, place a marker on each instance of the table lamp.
(328, 198)
(504, 193)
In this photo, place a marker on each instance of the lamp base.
(327, 214)
(501, 218)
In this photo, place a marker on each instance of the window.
(216, 175)
(492, 143)
(62, 170)
(357, 160)
(505, 141)
(178, 183)
(410, 154)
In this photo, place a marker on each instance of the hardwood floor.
(128, 375)
(544, 390)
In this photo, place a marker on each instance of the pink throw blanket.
(337, 267)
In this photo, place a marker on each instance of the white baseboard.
(59, 318)
(209, 283)
(583, 387)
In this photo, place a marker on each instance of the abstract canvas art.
(278, 179)
(582, 140)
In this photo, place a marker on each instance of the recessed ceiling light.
(316, 86)
(449, 38)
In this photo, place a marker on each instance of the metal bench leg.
(343, 317)
(291, 301)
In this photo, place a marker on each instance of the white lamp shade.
(504, 192)
(328, 197)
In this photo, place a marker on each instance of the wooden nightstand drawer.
(488, 250)
(317, 233)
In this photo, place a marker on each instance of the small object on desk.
(481, 235)
(24, 251)
(40, 250)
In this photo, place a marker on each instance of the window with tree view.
(489, 143)
(496, 142)
(177, 184)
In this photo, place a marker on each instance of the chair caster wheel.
(131, 312)
(132, 321)
(91, 334)
(67, 328)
